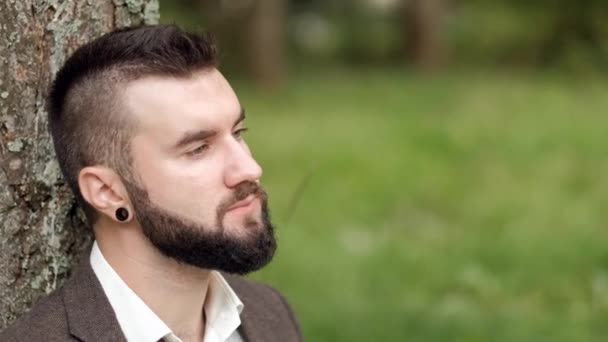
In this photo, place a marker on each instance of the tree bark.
(266, 42)
(42, 232)
(424, 41)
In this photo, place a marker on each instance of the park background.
(436, 169)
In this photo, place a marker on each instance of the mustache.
(245, 189)
(242, 191)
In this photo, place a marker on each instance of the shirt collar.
(222, 309)
(139, 323)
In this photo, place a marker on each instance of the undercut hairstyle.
(87, 120)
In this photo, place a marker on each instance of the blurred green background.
(436, 168)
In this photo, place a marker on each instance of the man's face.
(197, 197)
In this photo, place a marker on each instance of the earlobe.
(122, 214)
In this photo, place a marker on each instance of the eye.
(199, 150)
(238, 134)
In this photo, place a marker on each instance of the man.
(148, 134)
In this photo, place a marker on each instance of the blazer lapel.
(90, 315)
(255, 323)
(266, 316)
(249, 329)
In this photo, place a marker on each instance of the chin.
(244, 226)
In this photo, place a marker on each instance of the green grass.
(460, 207)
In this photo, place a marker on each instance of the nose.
(241, 166)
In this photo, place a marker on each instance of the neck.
(173, 291)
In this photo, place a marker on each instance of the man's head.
(142, 119)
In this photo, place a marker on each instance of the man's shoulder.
(78, 310)
(45, 321)
(267, 314)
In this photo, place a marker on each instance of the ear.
(103, 189)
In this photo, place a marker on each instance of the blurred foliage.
(559, 33)
(461, 207)
(544, 33)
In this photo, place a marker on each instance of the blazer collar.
(90, 315)
(255, 322)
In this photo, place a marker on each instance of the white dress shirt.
(140, 324)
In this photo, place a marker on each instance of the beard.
(209, 246)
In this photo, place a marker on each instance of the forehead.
(165, 107)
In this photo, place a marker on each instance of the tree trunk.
(424, 20)
(266, 42)
(42, 232)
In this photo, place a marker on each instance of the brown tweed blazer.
(80, 311)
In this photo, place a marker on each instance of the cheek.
(194, 188)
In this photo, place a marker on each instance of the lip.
(243, 203)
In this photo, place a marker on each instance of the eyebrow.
(202, 134)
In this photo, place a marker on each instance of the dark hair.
(86, 120)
